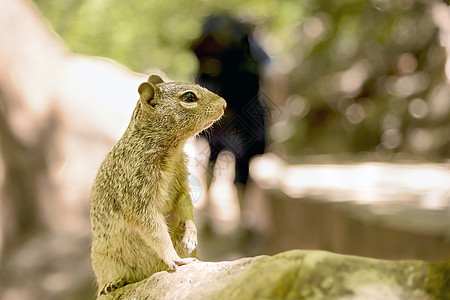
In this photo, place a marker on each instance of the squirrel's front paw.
(174, 264)
(190, 236)
(186, 261)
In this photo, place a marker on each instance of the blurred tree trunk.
(59, 115)
(22, 167)
(30, 56)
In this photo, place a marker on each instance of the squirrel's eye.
(189, 97)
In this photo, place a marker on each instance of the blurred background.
(337, 134)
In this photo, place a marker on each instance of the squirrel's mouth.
(220, 111)
(210, 122)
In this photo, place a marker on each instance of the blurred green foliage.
(364, 76)
(371, 76)
(156, 33)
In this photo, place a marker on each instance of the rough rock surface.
(296, 274)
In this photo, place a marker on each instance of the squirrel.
(141, 210)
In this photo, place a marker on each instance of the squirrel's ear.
(155, 79)
(147, 92)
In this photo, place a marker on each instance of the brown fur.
(141, 210)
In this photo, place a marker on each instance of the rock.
(296, 274)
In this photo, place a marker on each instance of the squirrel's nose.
(224, 104)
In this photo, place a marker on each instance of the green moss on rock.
(438, 283)
(297, 274)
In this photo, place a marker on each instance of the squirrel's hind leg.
(112, 286)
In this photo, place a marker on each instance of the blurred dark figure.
(230, 64)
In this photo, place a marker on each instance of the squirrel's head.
(178, 109)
